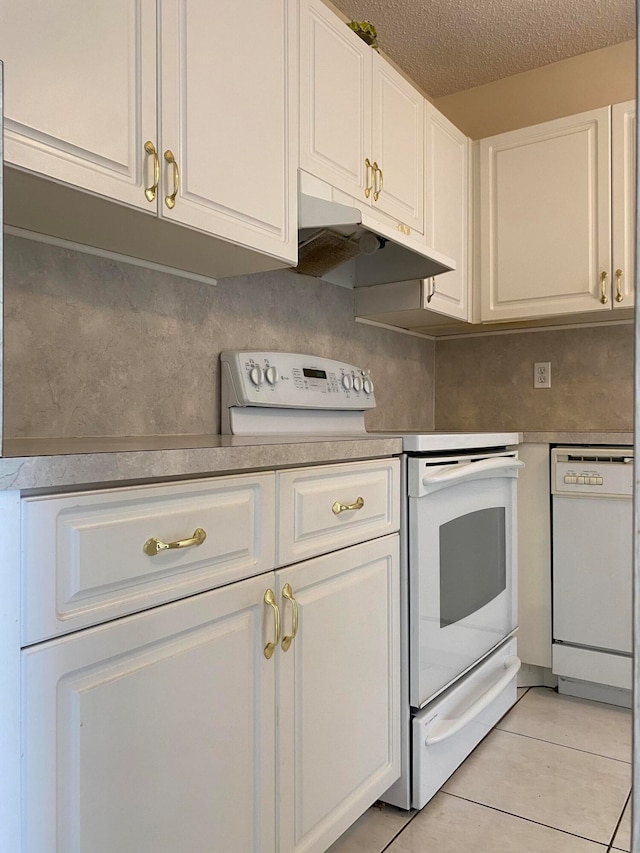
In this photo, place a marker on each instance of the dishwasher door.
(592, 577)
(592, 547)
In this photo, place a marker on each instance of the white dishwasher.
(592, 571)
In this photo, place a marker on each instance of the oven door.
(462, 565)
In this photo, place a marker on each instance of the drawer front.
(329, 507)
(446, 730)
(84, 560)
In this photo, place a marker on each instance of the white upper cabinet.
(335, 101)
(397, 145)
(80, 92)
(546, 217)
(203, 133)
(228, 118)
(361, 123)
(623, 123)
(447, 212)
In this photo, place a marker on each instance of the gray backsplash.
(486, 382)
(98, 347)
(95, 347)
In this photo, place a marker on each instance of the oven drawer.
(447, 729)
(84, 560)
(325, 508)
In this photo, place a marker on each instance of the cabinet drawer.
(83, 558)
(326, 508)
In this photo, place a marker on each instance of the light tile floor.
(554, 776)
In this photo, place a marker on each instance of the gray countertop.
(54, 464)
(574, 437)
(48, 464)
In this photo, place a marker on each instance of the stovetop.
(433, 441)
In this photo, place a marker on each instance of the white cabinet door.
(80, 92)
(397, 145)
(623, 120)
(339, 692)
(447, 211)
(546, 218)
(155, 733)
(335, 101)
(228, 117)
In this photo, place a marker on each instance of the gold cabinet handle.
(170, 200)
(339, 507)
(369, 178)
(287, 593)
(150, 149)
(270, 600)
(603, 288)
(378, 189)
(619, 296)
(154, 546)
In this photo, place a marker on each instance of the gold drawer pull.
(154, 546)
(619, 296)
(150, 149)
(377, 189)
(338, 507)
(369, 178)
(170, 200)
(287, 593)
(603, 288)
(270, 600)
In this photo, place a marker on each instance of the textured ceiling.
(446, 46)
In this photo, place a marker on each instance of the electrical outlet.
(542, 374)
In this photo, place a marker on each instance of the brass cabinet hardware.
(154, 546)
(403, 229)
(432, 288)
(619, 296)
(270, 600)
(170, 200)
(378, 189)
(603, 288)
(287, 592)
(339, 507)
(369, 177)
(150, 149)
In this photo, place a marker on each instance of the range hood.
(346, 245)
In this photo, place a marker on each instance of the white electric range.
(458, 552)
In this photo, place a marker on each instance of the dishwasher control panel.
(601, 471)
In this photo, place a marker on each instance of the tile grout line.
(603, 844)
(617, 826)
(400, 831)
(562, 745)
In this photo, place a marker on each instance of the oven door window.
(473, 567)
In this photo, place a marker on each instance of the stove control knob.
(272, 375)
(357, 384)
(256, 375)
(347, 382)
(368, 386)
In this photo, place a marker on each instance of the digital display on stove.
(311, 373)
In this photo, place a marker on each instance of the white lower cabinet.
(338, 692)
(231, 720)
(154, 733)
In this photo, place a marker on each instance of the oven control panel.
(291, 380)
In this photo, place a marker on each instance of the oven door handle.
(444, 729)
(451, 473)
